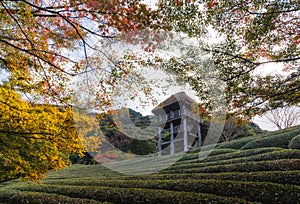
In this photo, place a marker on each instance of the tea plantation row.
(262, 169)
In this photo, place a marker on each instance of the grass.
(232, 173)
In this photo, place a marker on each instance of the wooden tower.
(179, 128)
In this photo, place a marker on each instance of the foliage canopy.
(250, 34)
(43, 45)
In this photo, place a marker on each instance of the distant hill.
(124, 138)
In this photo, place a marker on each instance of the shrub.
(10, 196)
(85, 159)
(203, 148)
(282, 131)
(277, 140)
(295, 143)
(196, 155)
(232, 155)
(133, 195)
(252, 191)
(285, 154)
(237, 144)
(278, 165)
(281, 177)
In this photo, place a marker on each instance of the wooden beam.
(159, 141)
(185, 136)
(199, 136)
(172, 150)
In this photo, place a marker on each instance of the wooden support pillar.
(172, 150)
(199, 136)
(159, 141)
(185, 135)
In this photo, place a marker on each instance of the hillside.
(261, 169)
(123, 136)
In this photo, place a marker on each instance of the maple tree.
(37, 39)
(44, 45)
(250, 34)
(36, 138)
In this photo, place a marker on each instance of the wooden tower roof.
(178, 98)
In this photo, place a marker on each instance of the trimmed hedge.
(197, 155)
(237, 143)
(133, 195)
(251, 191)
(277, 140)
(295, 143)
(278, 165)
(281, 177)
(158, 163)
(13, 196)
(233, 155)
(282, 131)
(194, 162)
(203, 148)
(276, 155)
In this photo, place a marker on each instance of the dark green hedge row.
(203, 148)
(10, 196)
(142, 163)
(252, 191)
(133, 195)
(277, 140)
(295, 143)
(277, 165)
(282, 131)
(277, 160)
(162, 161)
(237, 143)
(197, 155)
(233, 155)
(276, 155)
(242, 153)
(281, 177)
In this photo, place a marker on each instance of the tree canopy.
(39, 39)
(34, 138)
(250, 34)
(43, 45)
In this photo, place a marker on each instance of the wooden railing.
(177, 114)
(176, 129)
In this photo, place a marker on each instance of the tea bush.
(134, 195)
(295, 143)
(277, 140)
